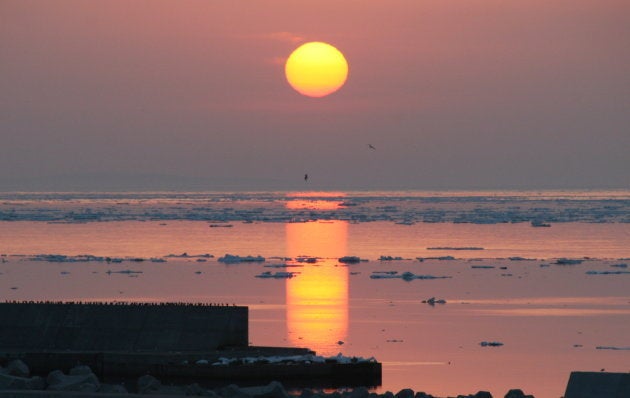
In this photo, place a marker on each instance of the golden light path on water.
(317, 300)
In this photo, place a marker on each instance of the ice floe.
(390, 258)
(186, 255)
(607, 272)
(124, 271)
(223, 208)
(233, 259)
(302, 359)
(441, 258)
(455, 248)
(568, 261)
(283, 265)
(277, 275)
(406, 276)
(433, 301)
(62, 258)
(350, 260)
(306, 259)
(491, 344)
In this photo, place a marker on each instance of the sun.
(316, 69)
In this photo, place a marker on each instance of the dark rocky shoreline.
(16, 381)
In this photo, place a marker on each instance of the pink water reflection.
(368, 240)
(317, 299)
(550, 318)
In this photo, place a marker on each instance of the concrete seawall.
(121, 327)
(175, 342)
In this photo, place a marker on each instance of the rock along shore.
(17, 381)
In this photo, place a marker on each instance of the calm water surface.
(550, 317)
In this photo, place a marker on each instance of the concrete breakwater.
(203, 343)
(127, 327)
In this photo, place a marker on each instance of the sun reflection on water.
(317, 299)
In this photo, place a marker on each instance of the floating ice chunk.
(125, 271)
(305, 359)
(433, 301)
(455, 248)
(232, 259)
(61, 258)
(308, 260)
(277, 275)
(490, 344)
(283, 265)
(53, 258)
(482, 266)
(390, 258)
(406, 276)
(186, 255)
(384, 276)
(607, 272)
(623, 265)
(612, 348)
(568, 261)
(202, 362)
(349, 259)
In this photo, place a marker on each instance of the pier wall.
(121, 327)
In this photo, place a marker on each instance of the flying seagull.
(371, 147)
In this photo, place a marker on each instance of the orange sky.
(192, 95)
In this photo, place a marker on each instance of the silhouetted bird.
(305, 177)
(371, 147)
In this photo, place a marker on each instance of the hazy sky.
(457, 94)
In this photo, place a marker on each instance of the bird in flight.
(371, 147)
(305, 177)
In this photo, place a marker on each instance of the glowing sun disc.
(316, 69)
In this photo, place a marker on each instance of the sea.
(454, 292)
